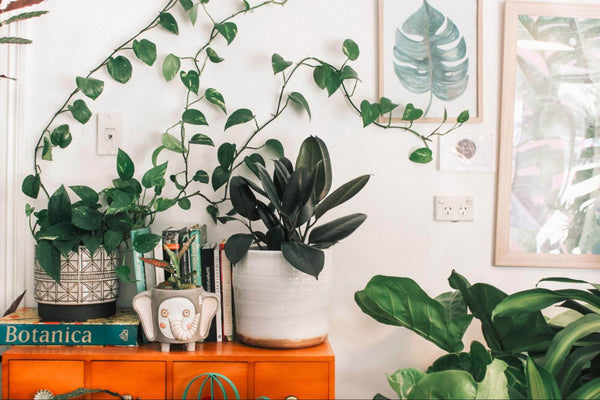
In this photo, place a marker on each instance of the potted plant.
(175, 312)
(527, 355)
(281, 286)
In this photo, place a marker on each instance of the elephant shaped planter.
(176, 316)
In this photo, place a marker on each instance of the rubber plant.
(295, 198)
(177, 140)
(539, 358)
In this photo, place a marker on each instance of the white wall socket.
(109, 133)
(453, 208)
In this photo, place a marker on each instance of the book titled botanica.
(24, 327)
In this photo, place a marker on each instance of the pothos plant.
(295, 198)
(178, 141)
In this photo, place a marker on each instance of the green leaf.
(220, 176)
(22, 17)
(574, 365)
(436, 386)
(201, 139)
(120, 201)
(386, 105)
(299, 99)
(213, 211)
(47, 150)
(213, 56)
(168, 22)
(184, 204)
(86, 194)
(125, 166)
(91, 87)
(590, 390)
(423, 155)
(119, 68)
(269, 187)
(14, 40)
(112, 240)
(194, 117)
(540, 383)
(304, 258)
(80, 111)
(246, 6)
(31, 186)
(403, 380)
(193, 14)
(163, 204)
(61, 136)
(191, 80)
(91, 242)
(225, 155)
(239, 116)
(29, 210)
(242, 199)
(314, 154)
(172, 143)
(411, 113)
(275, 146)
(336, 230)
(213, 96)
(494, 385)
(321, 74)
(348, 73)
(538, 299)
(369, 112)
(333, 82)
(86, 218)
(251, 161)
(341, 195)
(59, 206)
(279, 64)
(146, 242)
(122, 272)
(49, 258)
(154, 176)
(237, 246)
(463, 117)
(59, 231)
(186, 4)
(171, 66)
(351, 49)
(201, 176)
(155, 154)
(145, 50)
(228, 30)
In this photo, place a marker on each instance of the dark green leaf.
(575, 363)
(341, 195)
(31, 186)
(171, 66)
(22, 17)
(80, 111)
(242, 199)
(59, 206)
(163, 204)
(269, 187)
(213, 211)
(194, 117)
(47, 150)
(112, 240)
(154, 176)
(65, 246)
(184, 204)
(589, 391)
(337, 229)
(201, 176)
(213, 56)
(246, 5)
(155, 154)
(86, 218)
(304, 258)
(172, 143)
(403, 380)
(275, 146)
(125, 166)
(49, 258)
(228, 30)
(540, 383)
(333, 82)
(119, 69)
(421, 156)
(240, 116)
(237, 246)
(386, 105)
(91, 87)
(59, 231)
(29, 210)
(220, 176)
(369, 112)
(314, 154)
(279, 64)
(91, 242)
(348, 73)
(187, 5)
(145, 50)
(201, 139)
(463, 117)
(168, 22)
(299, 99)
(411, 113)
(251, 161)
(225, 155)
(120, 201)
(351, 49)
(61, 136)
(216, 98)
(146, 242)
(122, 272)
(321, 74)
(14, 40)
(191, 80)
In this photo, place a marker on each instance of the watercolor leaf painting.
(430, 55)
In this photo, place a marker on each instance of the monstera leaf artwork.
(430, 56)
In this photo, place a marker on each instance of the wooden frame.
(390, 84)
(548, 176)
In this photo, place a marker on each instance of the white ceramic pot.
(276, 305)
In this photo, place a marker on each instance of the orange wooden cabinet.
(145, 372)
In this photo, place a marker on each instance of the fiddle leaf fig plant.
(289, 203)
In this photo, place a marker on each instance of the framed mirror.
(548, 210)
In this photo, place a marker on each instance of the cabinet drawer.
(304, 380)
(25, 378)
(184, 372)
(140, 379)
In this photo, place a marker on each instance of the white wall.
(399, 237)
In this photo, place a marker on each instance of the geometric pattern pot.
(85, 279)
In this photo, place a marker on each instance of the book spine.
(195, 263)
(184, 263)
(159, 273)
(68, 334)
(219, 315)
(138, 265)
(227, 297)
(208, 283)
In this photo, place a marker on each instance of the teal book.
(138, 265)
(194, 251)
(24, 327)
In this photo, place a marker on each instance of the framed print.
(430, 55)
(548, 205)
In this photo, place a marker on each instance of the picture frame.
(548, 175)
(451, 79)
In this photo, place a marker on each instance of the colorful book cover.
(138, 265)
(24, 327)
(208, 281)
(195, 248)
(226, 295)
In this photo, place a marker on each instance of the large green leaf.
(172, 143)
(403, 380)
(220, 176)
(125, 166)
(167, 21)
(304, 258)
(31, 186)
(313, 153)
(540, 383)
(112, 240)
(494, 385)
(91, 87)
(590, 390)
(226, 154)
(58, 231)
(336, 230)
(194, 117)
(401, 302)
(341, 195)
(242, 198)
(155, 175)
(145, 50)
(61, 136)
(216, 98)
(191, 80)
(86, 218)
(59, 206)
(237, 246)
(279, 63)
(146, 242)
(239, 116)
(49, 258)
(574, 365)
(119, 68)
(445, 385)
(430, 55)
(80, 111)
(269, 187)
(539, 299)
(228, 30)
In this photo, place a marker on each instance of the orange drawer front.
(26, 377)
(140, 379)
(184, 372)
(304, 380)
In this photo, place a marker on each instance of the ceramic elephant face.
(177, 318)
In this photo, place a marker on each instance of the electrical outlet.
(453, 208)
(109, 133)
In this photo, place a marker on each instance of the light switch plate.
(109, 133)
